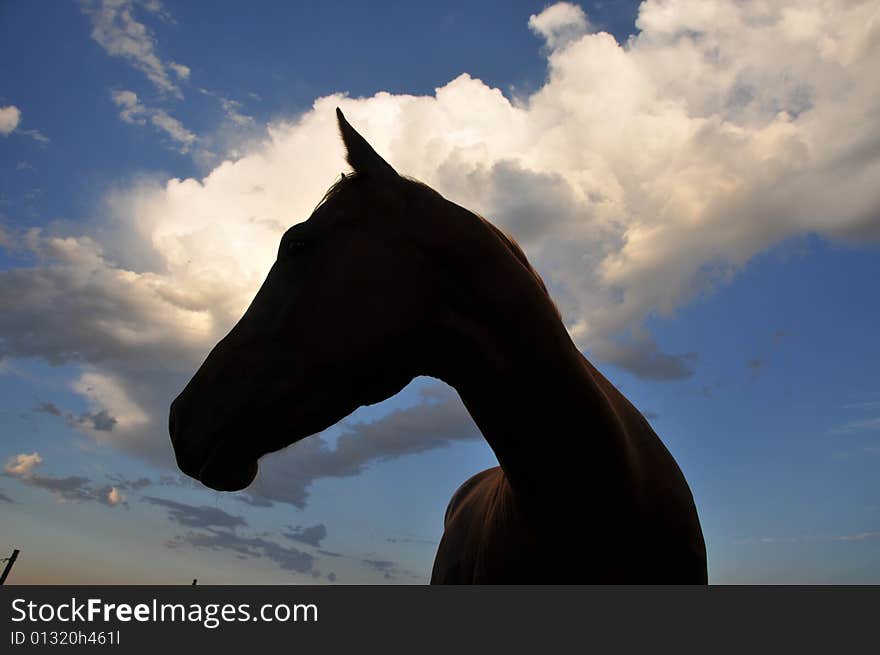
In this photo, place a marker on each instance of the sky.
(697, 181)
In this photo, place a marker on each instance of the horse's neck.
(552, 420)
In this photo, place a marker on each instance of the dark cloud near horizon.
(311, 536)
(6, 499)
(121, 482)
(254, 501)
(436, 423)
(286, 557)
(70, 487)
(383, 566)
(197, 516)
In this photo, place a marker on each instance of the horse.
(388, 280)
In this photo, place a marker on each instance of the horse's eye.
(297, 245)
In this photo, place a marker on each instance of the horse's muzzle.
(208, 458)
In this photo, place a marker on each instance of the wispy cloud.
(231, 109)
(71, 487)
(36, 135)
(286, 557)
(220, 531)
(411, 540)
(194, 516)
(10, 119)
(99, 420)
(642, 357)
(856, 536)
(311, 536)
(861, 425)
(133, 111)
(440, 420)
(115, 28)
(866, 424)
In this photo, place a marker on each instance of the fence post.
(9, 562)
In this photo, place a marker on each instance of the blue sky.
(695, 188)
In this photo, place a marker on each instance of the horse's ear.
(360, 154)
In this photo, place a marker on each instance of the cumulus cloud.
(22, 464)
(114, 497)
(9, 119)
(637, 177)
(559, 24)
(132, 110)
(120, 34)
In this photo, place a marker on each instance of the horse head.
(332, 328)
(340, 321)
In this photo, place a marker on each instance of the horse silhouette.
(387, 280)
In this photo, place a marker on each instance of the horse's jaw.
(223, 471)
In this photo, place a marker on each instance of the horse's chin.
(228, 473)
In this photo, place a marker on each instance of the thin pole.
(9, 562)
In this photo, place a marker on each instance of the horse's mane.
(348, 180)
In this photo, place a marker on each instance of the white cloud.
(115, 497)
(862, 425)
(231, 109)
(134, 112)
(36, 135)
(9, 119)
(560, 24)
(23, 464)
(131, 110)
(115, 29)
(71, 487)
(635, 177)
(173, 128)
(180, 70)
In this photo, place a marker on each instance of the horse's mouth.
(225, 471)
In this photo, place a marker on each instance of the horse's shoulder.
(467, 488)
